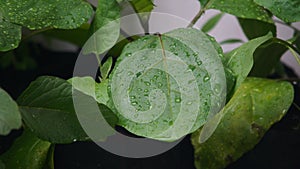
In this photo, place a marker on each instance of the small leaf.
(255, 28)
(254, 108)
(240, 8)
(10, 117)
(105, 28)
(143, 8)
(231, 41)
(27, 152)
(212, 22)
(105, 68)
(240, 60)
(62, 14)
(166, 86)
(287, 10)
(88, 86)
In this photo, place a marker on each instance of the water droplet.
(159, 84)
(147, 83)
(192, 67)
(128, 54)
(206, 78)
(146, 90)
(133, 103)
(178, 100)
(138, 74)
(74, 140)
(132, 97)
(187, 54)
(189, 103)
(130, 73)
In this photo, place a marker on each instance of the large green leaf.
(105, 28)
(240, 60)
(47, 109)
(63, 14)
(253, 109)
(27, 152)
(10, 117)
(240, 8)
(255, 28)
(287, 10)
(166, 86)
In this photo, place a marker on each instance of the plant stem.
(200, 13)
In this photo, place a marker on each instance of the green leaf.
(212, 22)
(255, 28)
(47, 109)
(240, 60)
(254, 108)
(88, 86)
(240, 8)
(143, 8)
(231, 41)
(105, 68)
(287, 10)
(10, 117)
(63, 14)
(27, 152)
(10, 35)
(266, 58)
(166, 86)
(105, 28)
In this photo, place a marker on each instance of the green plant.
(181, 62)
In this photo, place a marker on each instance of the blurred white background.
(227, 28)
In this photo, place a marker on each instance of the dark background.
(279, 148)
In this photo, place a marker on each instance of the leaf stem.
(200, 13)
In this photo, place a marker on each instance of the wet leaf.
(63, 14)
(47, 109)
(10, 117)
(166, 86)
(287, 10)
(10, 35)
(240, 8)
(254, 108)
(240, 60)
(27, 152)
